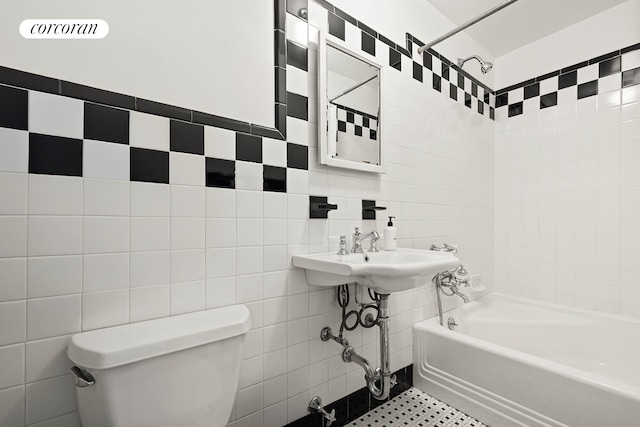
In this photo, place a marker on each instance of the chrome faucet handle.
(315, 407)
(374, 239)
(357, 247)
(450, 248)
(435, 248)
(393, 381)
(343, 246)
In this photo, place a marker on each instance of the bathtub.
(517, 362)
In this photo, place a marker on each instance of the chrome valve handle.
(315, 406)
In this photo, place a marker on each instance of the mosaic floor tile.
(414, 408)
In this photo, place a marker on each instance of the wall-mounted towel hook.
(315, 406)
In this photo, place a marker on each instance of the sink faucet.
(358, 238)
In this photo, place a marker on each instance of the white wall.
(166, 51)
(603, 33)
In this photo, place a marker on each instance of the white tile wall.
(93, 252)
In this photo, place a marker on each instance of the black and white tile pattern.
(416, 409)
(619, 69)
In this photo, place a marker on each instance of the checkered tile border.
(357, 123)
(612, 71)
(430, 68)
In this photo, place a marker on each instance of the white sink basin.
(384, 271)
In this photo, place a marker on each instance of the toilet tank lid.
(121, 345)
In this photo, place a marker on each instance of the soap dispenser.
(390, 234)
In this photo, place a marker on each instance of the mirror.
(350, 104)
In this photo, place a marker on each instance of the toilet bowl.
(175, 371)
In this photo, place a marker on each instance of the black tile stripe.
(54, 155)
(25, 80)
(106, 123)
(186, 137)
(14, 108)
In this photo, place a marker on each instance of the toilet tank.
(175, 371)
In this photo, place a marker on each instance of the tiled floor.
(415, 408)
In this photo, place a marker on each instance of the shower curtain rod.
(466, 25)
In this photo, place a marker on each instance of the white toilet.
(175, 371)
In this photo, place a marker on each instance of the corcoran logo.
(64, 29)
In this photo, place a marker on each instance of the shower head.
(485, 66)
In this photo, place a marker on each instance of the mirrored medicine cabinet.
(349, 108)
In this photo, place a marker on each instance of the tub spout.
(460, 294)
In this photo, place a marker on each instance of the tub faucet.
(451, 280)
(358, 238)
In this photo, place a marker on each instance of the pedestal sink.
(384, 271)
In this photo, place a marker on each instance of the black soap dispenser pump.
(390, 236)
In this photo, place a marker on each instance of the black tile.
(358, 130)
(310, 420)
(502, 99)
(149, 165)
(467, 100)
(427, 60)
(220, 173)
(294, 7)
(280, 49)
(220, 122)
(280, 14)
(549, 100)
(437, 83)
(92, 94)
(604, 57)
(281, 119)
(567, 80)
(368, 43)
(531, 90)
(297, 156)
(373, 134)
(460, 81)
(106, 123)
(480, 107)
(266, 132)
(336, 26)
(342, 126)
(186, 137)
(280, 85)
(350, 117)
(358, 402)
(14, 108)
(28, 80)
(403, 51)
(365, 122)
(453, 91)
(492, 113)
(445, 71)
(395, 59)
(574, 67)
(587, 89)
(164, 110)
(409, 375)
(631, 77)
(515, 109)
(547, 76)
(486, 97)
(248, 148)
(297, 106)
(54, 155)
(608, 67)
(297, 56)
(274, 179)
(474, 89)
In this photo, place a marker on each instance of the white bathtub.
(517, 362)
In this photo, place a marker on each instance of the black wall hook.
(369, 209)
(319, 207)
